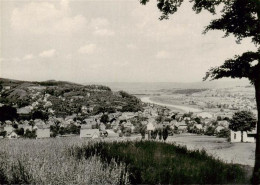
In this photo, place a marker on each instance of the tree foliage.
(8, 113)
(243, 121)
(104, 118)
(40, 115)
(165, 132)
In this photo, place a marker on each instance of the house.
(102, 126)
(8, 122)
(89, 120)
(39, 122)
(219, 128)
(89, 133)
(12, 135)
(43, 131)
(6, 87)
(150, 127)
(128, 124)
(24, 110)
(9, 129)
(248, 136)
(223, 123)
(25, 127)
(198, 126)
(182, 126)
(205, 115)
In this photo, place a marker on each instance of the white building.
(43, 131)
(248, 136)
(89, 133)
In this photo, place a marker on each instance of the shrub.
(225, 133)
(30, 134)
(3, 133)
(20, 131)
(210, 131)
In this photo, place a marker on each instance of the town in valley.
(63, 109)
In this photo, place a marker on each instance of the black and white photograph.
(129, 92)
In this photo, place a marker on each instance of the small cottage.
(12, 135)
(150, 126)
(89, 133)
(182, 126)
(205, 115)
(246, 136)
(8, 129)
(43, 131)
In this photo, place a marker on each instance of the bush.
(210, 131)
(225, 133)
(20, 131)
(3, 133)
(30, 134)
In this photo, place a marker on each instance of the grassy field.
(77, 161)
(150, 162)
(47, 161)
(241, 153)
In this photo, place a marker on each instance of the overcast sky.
(108, 41)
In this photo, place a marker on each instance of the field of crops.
(47, 161)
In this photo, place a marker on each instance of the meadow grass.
(79, 161)
(47, 161)
(150, 162)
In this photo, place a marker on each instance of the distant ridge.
(6, 81)
(138, 87)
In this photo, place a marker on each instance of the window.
(235, 136)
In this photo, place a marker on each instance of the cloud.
(87, 49)
(131, 46)
(15, 59)
(99, 22)
(104, 32)
(163, 55)
(48, 53)
(121, 64)
(101, 27)
(45, 17)
(28, 57)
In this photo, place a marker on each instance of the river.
(180, 107)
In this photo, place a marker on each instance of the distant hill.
(152, 87)
(62, 98)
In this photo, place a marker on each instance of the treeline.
(10, 113)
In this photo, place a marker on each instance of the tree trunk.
(242, 136)
(256, 173)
